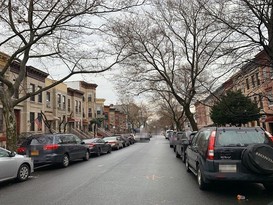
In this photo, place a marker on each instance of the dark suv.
(231, 154)
(54, 149)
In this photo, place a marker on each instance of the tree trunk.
(190, 118)
(10, 121)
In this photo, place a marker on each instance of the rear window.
(42, 140)
(240, 137)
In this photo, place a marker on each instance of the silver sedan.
(13, 166)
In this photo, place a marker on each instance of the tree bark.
(10, 120)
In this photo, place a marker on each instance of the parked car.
(54, 149)
(125, 141)
(183, 139)
(131, 138)
(167, 133)
(231, 154)
(98, 146)
(114, 141)
(172, 138)
(13, 166)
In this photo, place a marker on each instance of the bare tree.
(172, 49)
(58, 31)
(169, 108)
(251, 22)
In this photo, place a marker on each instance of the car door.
(8, 166)
(192, 151)
(80, 148)
(102, 145)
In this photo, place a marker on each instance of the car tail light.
(21, 150)
(91, 145)
(210, 154)
(51, 146)
(269, 135)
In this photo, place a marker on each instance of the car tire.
(23, 173)
(183, 157)
(187, 165)
(258, 158)
(109, 150)
(177, 154)
(200, 180)
(99, 152)
(65, 161)
(87, 156)
(268, 186)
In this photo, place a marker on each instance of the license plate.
(34, 153)
(228, 168)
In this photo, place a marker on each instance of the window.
(48, 103)
(247, 84)
(99, 112)
(257, 79)
(68, 105)
(31, 121)
(264, 73)
(89, 112)
(80, 107)
(89, 97)
(1, 120)
(261, 101)
(270, 98)
(64, 102)
(32, 90)
(40, 95)
(253, 81)
(59, 100)
(76, 106)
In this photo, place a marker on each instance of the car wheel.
(23, 173)
(268, 186)
(187, 165)
(87, 156)
(201, 183)
(183, 156)
(258, 158)
(109, 150)
(65, 161)
(98, 153)
(177, 154)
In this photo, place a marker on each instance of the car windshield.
(240, 137)
(90, 140)
(109, 138)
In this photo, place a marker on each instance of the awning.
(3, 138)
(51, 117)
(85, 122)
(269, 119)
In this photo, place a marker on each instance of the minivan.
(54, 149)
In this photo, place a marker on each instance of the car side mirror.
(12, 154)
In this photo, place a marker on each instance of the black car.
(98, 146)
(183, 139)
(231, 154)
(54, 149)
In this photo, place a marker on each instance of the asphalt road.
(142, 174)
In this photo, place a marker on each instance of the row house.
(86, 106)
(254, 80)
(65, 106)
(27, 111)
